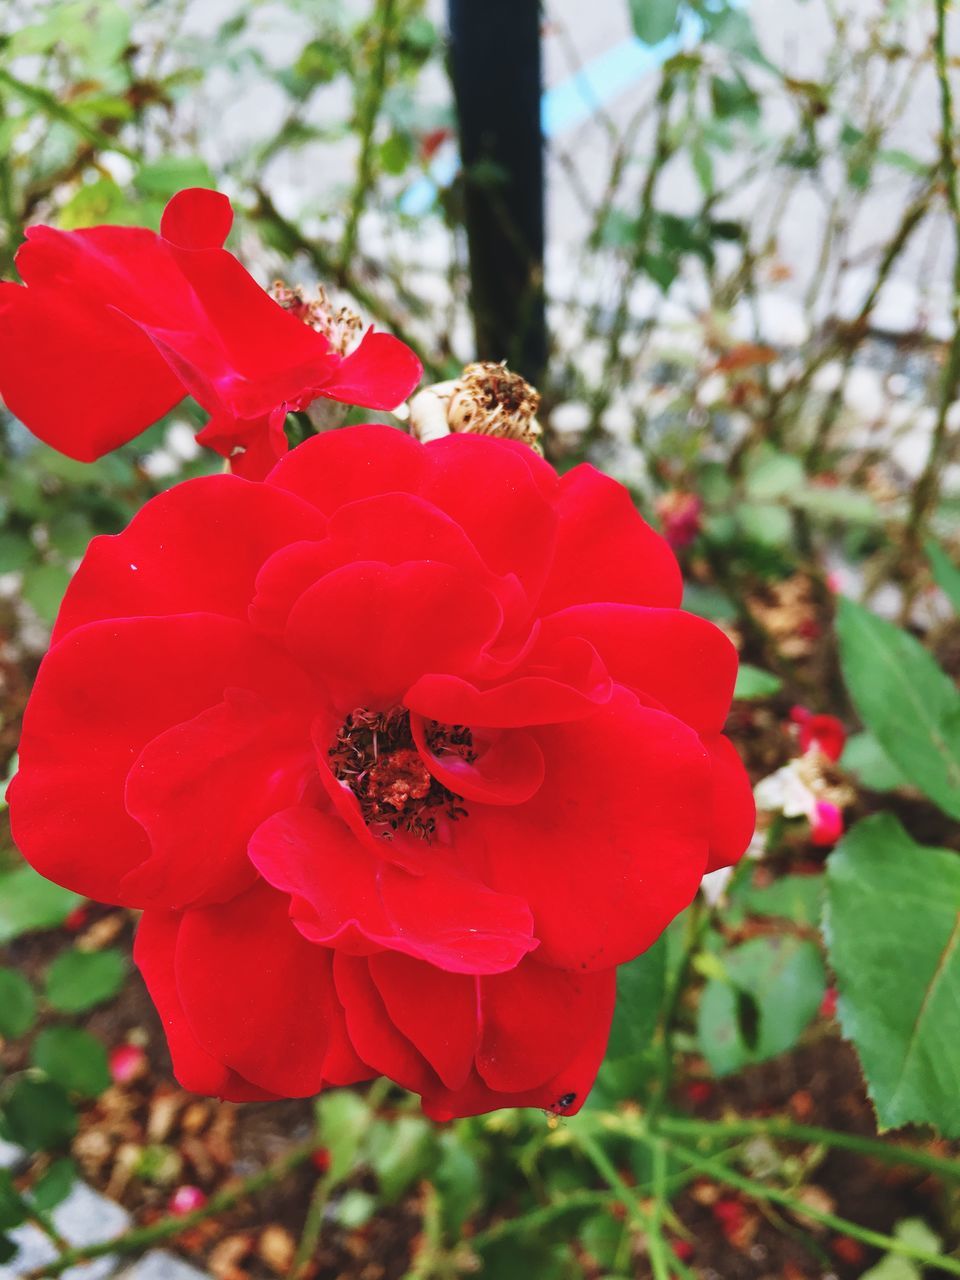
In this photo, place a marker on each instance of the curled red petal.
(506, 769)
(362, 903)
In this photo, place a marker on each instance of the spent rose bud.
(680, 516)
(826, 824)
(186, 1199)
(825, 733)
(425, 725)
(127, 1062)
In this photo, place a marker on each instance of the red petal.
(436, 1011)
(78, 375)
(563, 1094)
(197, 219)
(734, 810)
(257, 995)
(535, 1020)
(605, 550)
(379, 374)
(568, 682)
(374, 1036)
(683, 662)
(508, 769)
(196, 548)
(344, 896)
(195, 1069)
(614, 844)
(498, 499)
(201, 789)
(103, 693)
(369, 630)
(338, 467)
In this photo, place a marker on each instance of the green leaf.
(905, 700)
(38, 1115)
(8, 1250)
(78, 980)
(945, 573)
(29, 902)
(343, 1120)
(164, 178)
(771, 474)
(43, 588)
(640, 989)
(765, 522)
(708, 602)
(864, 757)
(773, 988)
(401, 1151)
(752, 682)
(654, 20)
(459, 1181)
(355, 1208)
(796, 898)
(837, 504)
(892, 926)
(70, 532)
(54, 1186)
(18, 1004)
(16, 551)
(916, 1233)
(13, 1208)
(73, 1058)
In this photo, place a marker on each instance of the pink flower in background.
(826, 824)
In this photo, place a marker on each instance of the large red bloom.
(401, 751)
(118, 324)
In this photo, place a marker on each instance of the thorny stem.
(141, 1239)
(382, 29)
(925, 492)
(761, 1191)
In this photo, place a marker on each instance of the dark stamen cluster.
(374, 754)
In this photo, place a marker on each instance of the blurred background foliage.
(753, 295)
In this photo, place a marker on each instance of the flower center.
(374, 755)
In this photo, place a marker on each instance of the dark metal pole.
(495, 66)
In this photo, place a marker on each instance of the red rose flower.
(118, 324)
(401, 751)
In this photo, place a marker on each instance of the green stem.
(312, 1226)
(570, 1203)
(927, 486)
(647, 1223)
(658, 1252)
(52, 107)
(760, 1191)
(888, 1152)
(142, 1238)
(369, 113)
